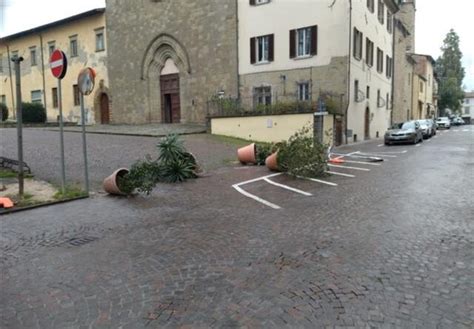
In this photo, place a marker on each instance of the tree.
(450, 73)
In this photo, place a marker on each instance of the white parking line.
(256, 198)
(339, 174)
(347, 167)
(428, 140)
(417, 145)
(287, 187)
(465, 130)
(380, 145)
(386, 152)
(377, 155)
(258, 179)
(318, 181)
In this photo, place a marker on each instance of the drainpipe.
(42, 73)
(393, 68)
(237, 45)
(348, 69)
(11, 81)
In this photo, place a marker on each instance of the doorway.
(338, 138)
(367, 124)
(104, 109)
(170, 101)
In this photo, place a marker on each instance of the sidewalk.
(149, 130)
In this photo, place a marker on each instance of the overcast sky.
(433, 21)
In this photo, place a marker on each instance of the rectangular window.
(356, 90)
(262, 95)
(73, 46)
(51, 47)
(36, 96)
(304, 42)
(379, 60)
(54, 96)
(303, 91)
(33, 56)
(381, 11)
(261, 49)
(369, 52)
(389, 21)
(388, 67)
(75, 91)
(258, 2)
(367, 93)
(467, 110)
(99, 40)
(357, 51)
(371, 5)
(467, 101)
(378, 98)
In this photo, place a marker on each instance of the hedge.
(33, 113)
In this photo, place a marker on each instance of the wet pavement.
(391, 247)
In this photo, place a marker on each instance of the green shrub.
(263, 151)
(4, 110)
(33, 113)
(301, 155)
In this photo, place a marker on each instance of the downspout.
(393, 68)
(11, 81)
(44, 81)
(237, 45)
(348, 69)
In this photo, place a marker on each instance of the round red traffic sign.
(58, 64)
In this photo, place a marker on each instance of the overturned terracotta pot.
(272, 162)
(247, 154)
(111, 185)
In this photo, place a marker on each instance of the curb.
(128, 134)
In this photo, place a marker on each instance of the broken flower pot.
(111, 184)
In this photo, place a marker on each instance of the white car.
(443, 122)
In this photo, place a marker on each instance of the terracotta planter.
(271, 162)
(247, 154)
(110, 184)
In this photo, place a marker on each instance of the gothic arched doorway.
(169, 88)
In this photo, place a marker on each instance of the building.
(83, 39)
(467, 110)
(424, 103)
(167, 57)
(181, 53)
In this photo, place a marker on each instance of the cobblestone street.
(389, 248)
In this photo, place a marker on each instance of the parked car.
(433, 126)
(408, 132)
(443, 122)
(425, 128)
(458, 121)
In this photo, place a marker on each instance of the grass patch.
(231, 140)
(8, 173)
(71, 192)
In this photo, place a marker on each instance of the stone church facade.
(167, 56)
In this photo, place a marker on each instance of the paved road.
(105, 153)
(389, 248)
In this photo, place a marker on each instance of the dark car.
(408, 132)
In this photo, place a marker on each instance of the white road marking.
(435, 136)
(318, 180)
(417, 145)
(339, 174)
(362, 162)
(258, 179)
(287, 187)
(347, 167)
(380, 145)
(465, 130)
(385, 152)
(256, 198)
(428, 140)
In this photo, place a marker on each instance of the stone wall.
(328, 78)
(200, 36)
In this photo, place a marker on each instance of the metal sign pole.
(19, 124)
(84, 145)
(61, 138)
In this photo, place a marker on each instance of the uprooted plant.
(174, 164)
(302, 155)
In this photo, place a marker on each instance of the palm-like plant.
(171, 149)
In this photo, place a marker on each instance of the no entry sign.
(58, 64)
